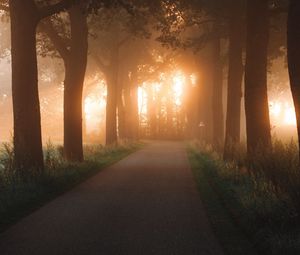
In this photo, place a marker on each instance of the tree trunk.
(151, 114)
(217, 99)
(294, 56)
(205, 89)
(256, 98)
(111, 107)
(74, 80)
(235, 77)
(134, 113)
(27, 120)
(122, 127)
(191, 106)
(127, 108)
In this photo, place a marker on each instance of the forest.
(84, 84)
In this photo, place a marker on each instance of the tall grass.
(262, 195)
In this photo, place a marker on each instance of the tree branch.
(58, 41)
(50, 10)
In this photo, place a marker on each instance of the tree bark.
(206, 90)
(217, 98)
(192, 109)
(256, 98)
(127, 108)
(294, 57)
(152, 114)
(235, 77)
(111, 106)
(75, 68)
(27, 120)
(134, 112)
(122, 114)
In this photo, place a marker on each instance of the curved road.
(145, 204)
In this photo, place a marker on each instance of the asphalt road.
(145, 204)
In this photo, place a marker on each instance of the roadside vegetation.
(256, 201)
(19, 196)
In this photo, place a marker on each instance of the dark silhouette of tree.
(25, 16)
(256, 98)
(73, 50)
(235, 76)
(110, 36)
(294, 56)
(217, 90)
(113, 29)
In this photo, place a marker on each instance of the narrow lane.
(147, 203)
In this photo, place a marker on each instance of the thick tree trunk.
(235, 77)
(127, 108)
(294, 56)
(205, 89)
(217, 98)
(122, 114)
(191, 105)
(134, 113)
(74, 80)
(111, 107)
(256, 98)
(151, 114)
(26, 107)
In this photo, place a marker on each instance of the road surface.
(147, 203)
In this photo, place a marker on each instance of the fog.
(282, 112)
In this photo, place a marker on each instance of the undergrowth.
(262, 196)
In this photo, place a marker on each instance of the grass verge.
(233, 240)
(19, 198)
(249, 207)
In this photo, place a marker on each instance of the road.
(147, 203)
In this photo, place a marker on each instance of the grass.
(18, 198)
(232, 238)
(255, 202)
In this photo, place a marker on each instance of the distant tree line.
(116, 35)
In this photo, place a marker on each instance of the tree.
(294, 56)
(25, 16)
(74, 51)
(256, 98)
(110, 39)
(210, 20)
(114, 28)
(217, 95)
(235, 76)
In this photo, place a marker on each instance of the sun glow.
(159, 99)
(142, 99)
(94, 105)
(179, 81)
(282, 113)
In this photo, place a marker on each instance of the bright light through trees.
(282, 113)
